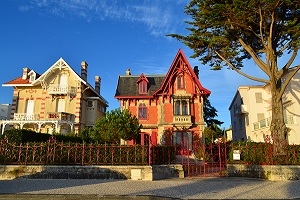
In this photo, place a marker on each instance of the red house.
(169, 107)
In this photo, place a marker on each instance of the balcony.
(242, 109)
(289, 120)
(63, 116)
(182, 119)
(57, 89)
(26, 116)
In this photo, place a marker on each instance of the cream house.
(250, 112)
(59, 100)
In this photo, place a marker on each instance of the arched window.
(180, 81)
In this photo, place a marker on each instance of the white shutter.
(30, 106)
(61, 104)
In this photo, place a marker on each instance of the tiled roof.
(19, 80)
(128, 86)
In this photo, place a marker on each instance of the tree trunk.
(278, 128)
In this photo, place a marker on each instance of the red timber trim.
(173, 71)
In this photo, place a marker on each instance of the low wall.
(270, 172)
(91, 172)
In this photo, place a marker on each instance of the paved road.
(188, 188)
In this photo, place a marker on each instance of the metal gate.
(203, 160)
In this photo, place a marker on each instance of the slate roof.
(128, 86)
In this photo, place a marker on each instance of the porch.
(54, 121)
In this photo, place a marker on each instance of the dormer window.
(32, 76)
(143, 84)
(180, 81)
(143, 87)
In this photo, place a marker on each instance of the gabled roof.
(127, 85)
(180, 56)
(59, 64)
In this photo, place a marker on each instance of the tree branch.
(286, 67)
(288, 79)
(240, 72)
(256, 59)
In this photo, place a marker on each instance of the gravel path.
(188, 188)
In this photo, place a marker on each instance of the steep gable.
(180, 65)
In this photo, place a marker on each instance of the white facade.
(251, 113)
(5, 111)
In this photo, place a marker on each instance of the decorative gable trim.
(179, 65)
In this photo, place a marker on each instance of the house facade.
(169, 107)
(251, 112)
(59, 100)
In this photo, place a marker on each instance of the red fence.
(59, 153)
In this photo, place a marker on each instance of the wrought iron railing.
(60, 153)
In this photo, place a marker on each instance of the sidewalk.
(187, 188)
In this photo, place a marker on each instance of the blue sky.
(111, 36)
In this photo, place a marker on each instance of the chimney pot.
(25, 73)
(84, 66)
(128, 72)
(97, 84)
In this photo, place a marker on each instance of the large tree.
(223, 33)
(117, 124)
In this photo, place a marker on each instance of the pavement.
(186, 188)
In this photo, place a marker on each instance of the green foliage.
(117, 124)
(210, 113)
(262, 154)
(18, 136)
(211, 133)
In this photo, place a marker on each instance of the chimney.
(25, 73)
(84, 66)
(97, 84)
(128, 72)
(196, 70)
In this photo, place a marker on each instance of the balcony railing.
(62, 89)
(182, 119)
(26, 116)
(289, 120)
(61, 116)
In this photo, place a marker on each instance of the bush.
(18, 136)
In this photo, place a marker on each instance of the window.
(241, 123)
(177, 107)
(90, 104)
(180, 82)
(258, 97)
(142, 111)
(181, 107)
(143, 87)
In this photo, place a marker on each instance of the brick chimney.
(128, 72)
(25, 73)
(97, 84)
(84, 66)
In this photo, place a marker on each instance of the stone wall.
(270, 172)
(91, 172)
